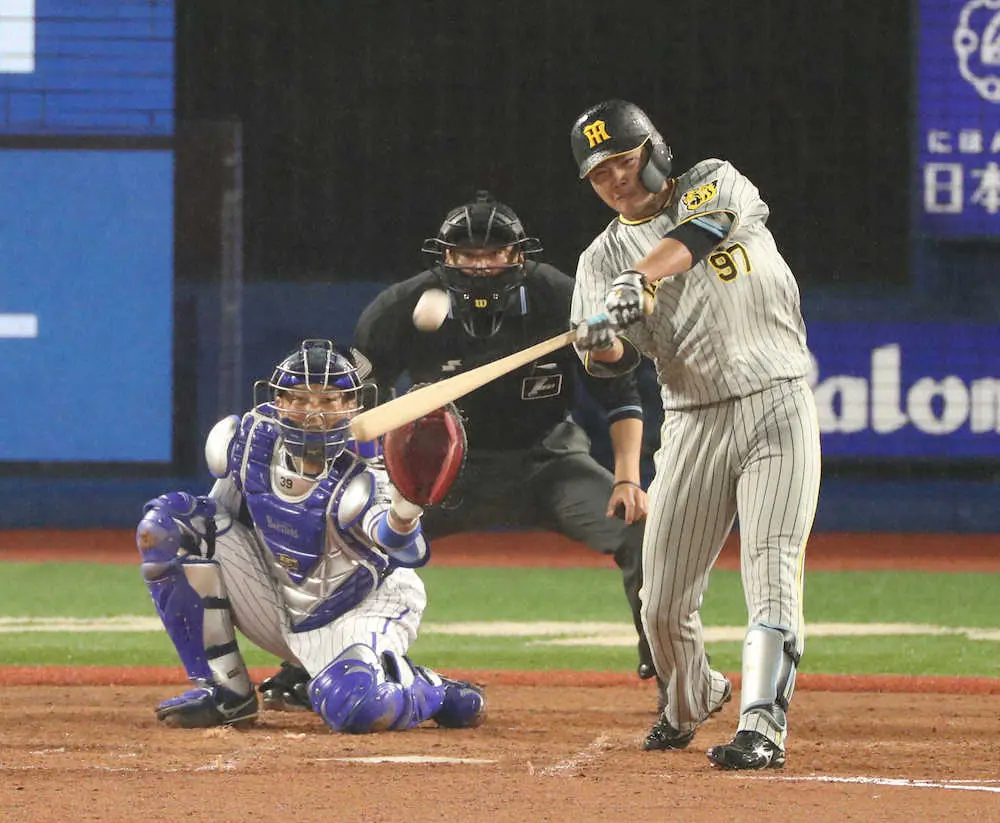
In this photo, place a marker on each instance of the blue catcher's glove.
(624, 302)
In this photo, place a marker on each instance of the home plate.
(405, 758)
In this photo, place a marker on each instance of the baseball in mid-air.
(431, 310)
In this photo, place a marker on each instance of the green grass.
(525, 595)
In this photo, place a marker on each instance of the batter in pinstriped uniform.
(740, 435)
(305, 547)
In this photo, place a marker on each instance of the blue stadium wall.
(943, 497)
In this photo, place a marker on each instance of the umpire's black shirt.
(514, 411)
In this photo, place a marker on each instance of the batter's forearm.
(665, 259)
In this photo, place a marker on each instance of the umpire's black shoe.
(287, 690)
(665, 736)
(748, 750)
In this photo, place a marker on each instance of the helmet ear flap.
(656, 170)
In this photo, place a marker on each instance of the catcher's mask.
(313, 394)
(481, 294)
(617, 127)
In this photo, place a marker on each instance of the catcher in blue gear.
(529, 461)
(304, 545)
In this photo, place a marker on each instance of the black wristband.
(627, 483)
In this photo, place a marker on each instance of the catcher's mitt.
(425, 457)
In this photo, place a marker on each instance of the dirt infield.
(82, 744)
(546, 753)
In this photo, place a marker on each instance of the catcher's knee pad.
(176, 523)
(353, 695)
(770, 659)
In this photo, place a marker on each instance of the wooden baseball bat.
(401, 410)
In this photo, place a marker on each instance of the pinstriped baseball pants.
(757, 457)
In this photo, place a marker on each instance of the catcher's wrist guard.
(403, 513)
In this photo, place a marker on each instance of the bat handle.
(648, 304)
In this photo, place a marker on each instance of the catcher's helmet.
(615, 127)
(316, 429)
(479, 299)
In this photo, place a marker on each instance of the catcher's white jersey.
(728, 327)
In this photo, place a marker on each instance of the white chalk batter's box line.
(568, 768)
(905, 783)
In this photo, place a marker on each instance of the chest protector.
(321, 557)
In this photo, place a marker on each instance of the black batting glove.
(624, 301)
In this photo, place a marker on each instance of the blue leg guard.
(189, 593)
(353, 695)
(360, 693)
(463, 705)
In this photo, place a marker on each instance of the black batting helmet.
(616, 127)
(479, 299)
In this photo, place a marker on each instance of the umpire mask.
(479, 256)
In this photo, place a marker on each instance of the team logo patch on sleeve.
(540, 386)
(700, 196)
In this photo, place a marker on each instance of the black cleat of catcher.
(206, 707)
(287, 690)
(747, 751)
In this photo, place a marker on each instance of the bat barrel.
(401, 410)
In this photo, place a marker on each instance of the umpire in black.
(528, 463)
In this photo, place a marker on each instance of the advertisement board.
(907, 391)
(957, 130)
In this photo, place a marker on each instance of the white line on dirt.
(587, 633)
(964, 785)
(597, 749)
(402, 758)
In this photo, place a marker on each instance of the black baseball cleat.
(747, 751)
(287, 690)
(665, 736)
(208, 706)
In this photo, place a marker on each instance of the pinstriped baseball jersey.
(728, 327)
(740, 438)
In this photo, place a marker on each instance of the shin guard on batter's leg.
(190, 598)
(770, 658)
